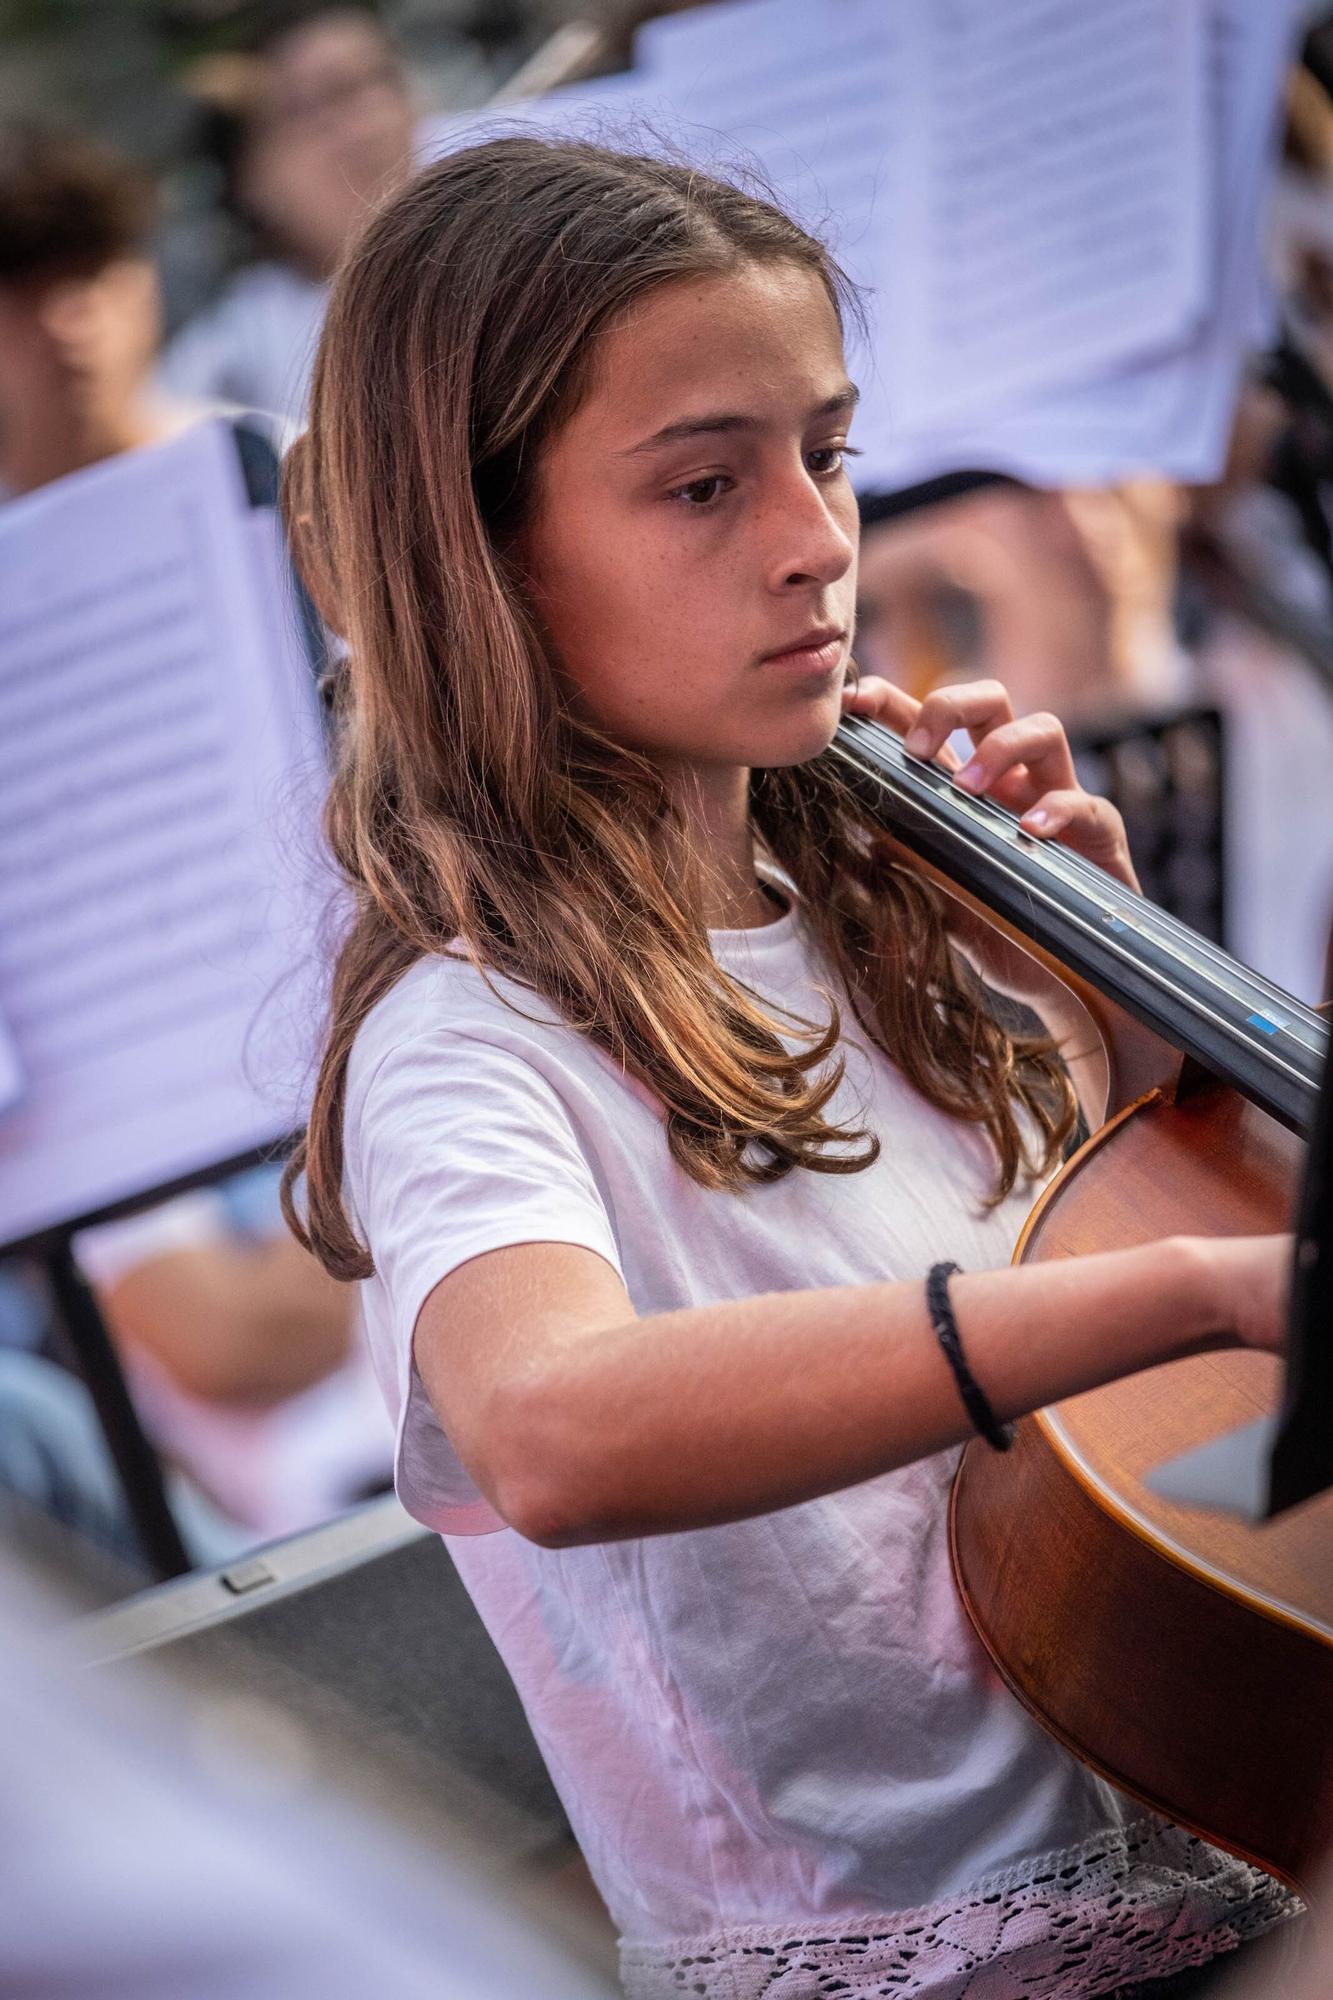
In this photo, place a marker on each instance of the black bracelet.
(999, 1436)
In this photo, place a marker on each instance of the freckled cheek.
(600, 629)
(642, 605)
(651, 635)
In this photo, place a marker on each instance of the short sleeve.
(456, 1146)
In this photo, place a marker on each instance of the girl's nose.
(810, 542)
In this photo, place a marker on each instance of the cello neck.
(1245, 1030)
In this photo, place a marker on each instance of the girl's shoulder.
(449, 1003)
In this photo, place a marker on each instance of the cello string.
(1055, 877)
(1241, 980)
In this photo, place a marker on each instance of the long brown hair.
(471, 809)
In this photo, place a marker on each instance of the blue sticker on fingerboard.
(1264, 1025)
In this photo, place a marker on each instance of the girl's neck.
(713, 806)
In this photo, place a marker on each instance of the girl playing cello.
(658, 1108)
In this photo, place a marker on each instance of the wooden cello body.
(1186, 1655)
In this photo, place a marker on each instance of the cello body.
(1187, 1655)
(1184, 1654)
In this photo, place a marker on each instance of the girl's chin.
(758, 743)
(797, 741)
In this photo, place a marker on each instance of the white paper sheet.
(817, 98)
(1170, 413)
(620, 110)
(1054, 210)
(1022, 183)
(161, 765)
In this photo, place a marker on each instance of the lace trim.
(1138, 1902)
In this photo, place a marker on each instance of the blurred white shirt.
(254, 347)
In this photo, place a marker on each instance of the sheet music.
(1181, 407)
(619, 110)
(1023, 184)
(1021, 188)
(818, 97)
(1065, 188)
(160, 769)
(1170, 413)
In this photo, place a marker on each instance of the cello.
(1184, 1654)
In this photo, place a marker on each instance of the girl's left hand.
(1025, 763)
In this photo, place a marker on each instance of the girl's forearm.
(719, 1412)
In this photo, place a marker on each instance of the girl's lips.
(816, 656)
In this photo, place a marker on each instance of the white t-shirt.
(779, 1743)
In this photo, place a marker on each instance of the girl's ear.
(303, 539)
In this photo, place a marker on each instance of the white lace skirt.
(1139, 1902)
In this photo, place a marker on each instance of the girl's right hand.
(1248, 1281)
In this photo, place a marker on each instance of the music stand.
(79, 1316)
(83, 1328)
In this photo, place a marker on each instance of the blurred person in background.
(1128, 605)
(308, 127)
(1301, 221)
(239, 1349)
(977, 573)
(80, 313)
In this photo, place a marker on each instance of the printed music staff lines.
(160, 882)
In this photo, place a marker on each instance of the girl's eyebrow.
(845, 399)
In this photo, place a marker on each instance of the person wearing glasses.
(306, 128)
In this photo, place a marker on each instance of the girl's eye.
(827, 459)
(701, 493)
